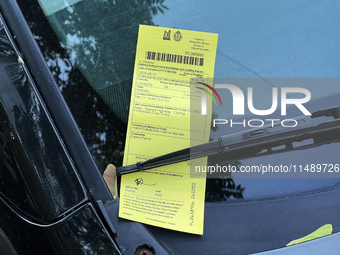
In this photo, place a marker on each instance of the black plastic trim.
(134, 234)
(107, 218)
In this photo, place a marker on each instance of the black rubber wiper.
(269, 139)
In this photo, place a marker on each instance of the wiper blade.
(254, 142)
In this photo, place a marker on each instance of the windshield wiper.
(269, 139)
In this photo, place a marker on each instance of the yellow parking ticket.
(159, 123)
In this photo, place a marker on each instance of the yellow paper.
(159, 123)
(320, 232)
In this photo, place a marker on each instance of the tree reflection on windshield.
(92, 63)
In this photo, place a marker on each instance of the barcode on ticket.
(174, 58)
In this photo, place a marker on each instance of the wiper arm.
(254, 142)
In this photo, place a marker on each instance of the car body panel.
(81, 232)
(34, 160)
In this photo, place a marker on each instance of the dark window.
(90, 49)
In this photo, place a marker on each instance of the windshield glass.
(91, 52)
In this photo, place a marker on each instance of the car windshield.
(90, 46)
